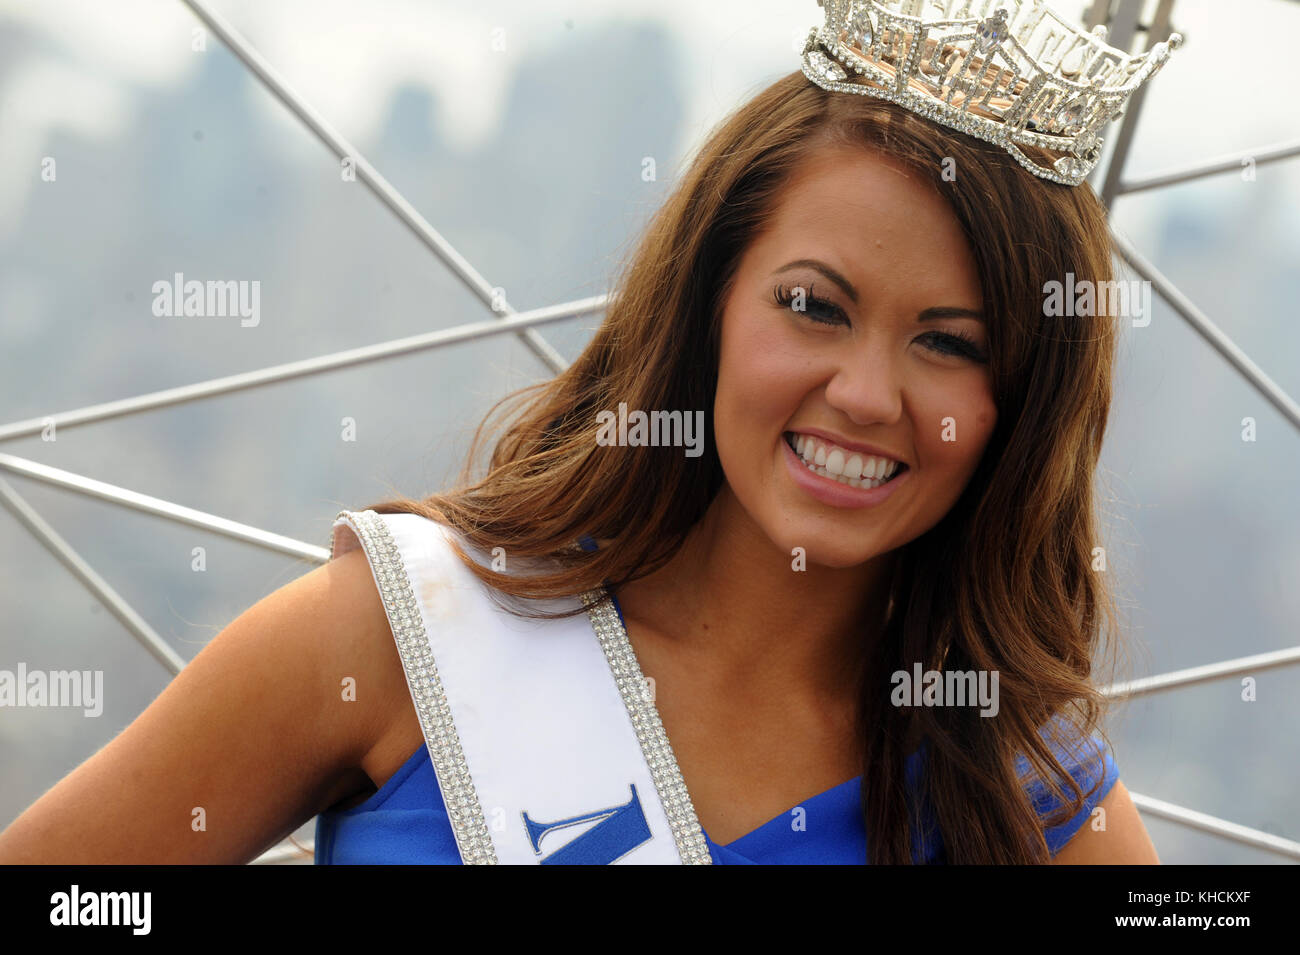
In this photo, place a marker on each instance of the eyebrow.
(940, 311)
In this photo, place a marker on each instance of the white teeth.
(855, 470)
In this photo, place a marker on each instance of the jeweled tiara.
(1013, 75)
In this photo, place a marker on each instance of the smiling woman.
(618, 651)
(901, 475)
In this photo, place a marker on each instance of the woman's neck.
(729, 602)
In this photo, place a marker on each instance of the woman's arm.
(1124, 841)
(255, 732)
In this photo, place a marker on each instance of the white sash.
(543, 734)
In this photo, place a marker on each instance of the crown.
(1016, 75)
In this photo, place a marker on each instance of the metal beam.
(1210, 671)
(160, 508)
(306, 366)
(1209, 167)
(1123, 32)
(367, 173)
(1210, 332)
(1217, 826)
(97, 585)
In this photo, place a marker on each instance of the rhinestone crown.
(1014, 75)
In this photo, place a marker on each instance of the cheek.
(758, 383)
(954, 425)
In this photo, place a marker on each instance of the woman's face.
(877, 345)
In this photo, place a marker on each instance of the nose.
(867, 385)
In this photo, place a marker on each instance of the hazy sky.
(345, 61)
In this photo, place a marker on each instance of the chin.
(855, 559)
(830, 556)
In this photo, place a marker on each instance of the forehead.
(870, 218)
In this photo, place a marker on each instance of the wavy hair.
(1003, 582)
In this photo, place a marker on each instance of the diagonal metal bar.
(1209, 167)
(1200, 674)
(367, 173)
(307, 366)
(1217, 826)
(97, 585)
(160, 508)
(1210, 332)
(1124, 27)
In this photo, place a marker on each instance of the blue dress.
(405, 822)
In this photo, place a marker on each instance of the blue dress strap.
(1087, 763)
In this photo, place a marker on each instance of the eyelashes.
(785, 297)
(959, 343)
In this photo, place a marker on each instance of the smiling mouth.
(846, 465)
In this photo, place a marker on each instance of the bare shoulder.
(268, 725)
(359, 673)
(1122, 841)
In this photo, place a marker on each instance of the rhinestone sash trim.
(468, 823)
(686, 830)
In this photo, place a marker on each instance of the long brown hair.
(1003, 582)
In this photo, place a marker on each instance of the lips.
(840, 493)
(845, 465)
